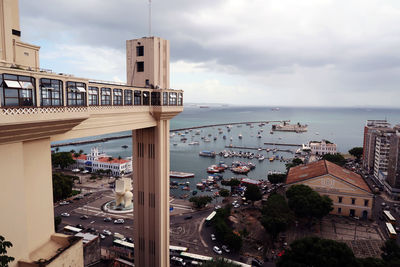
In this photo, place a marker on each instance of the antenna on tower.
(149, 18)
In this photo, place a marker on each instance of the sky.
(245, 52)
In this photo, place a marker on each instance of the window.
(117, 97)
(105, 96)
(180, 99)
(155, 98)
(140, 66)
(165, 99)
(137, 98)
(140, 51)
(340, 199)
(17, 90)
(353, 201)
(147, 82)
(51, 93)
(128, 97)
(366, 201)
(93, 96)
(146, 98)
(172, 99)
(16, 32)
(339, 210)
(76, 95)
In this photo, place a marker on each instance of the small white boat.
(240, 136)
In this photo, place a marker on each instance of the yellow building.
(38, 107)
(349, 192)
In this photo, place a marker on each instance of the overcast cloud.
(254, 52)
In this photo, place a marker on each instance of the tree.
(219, 262)
(315, 251)
(110, 158)
(80, 152)
(57, 221)
(295, 162)
(391, 253)
(57, 149)
(4, 259)
(233, 183)
(335, 158)
(356, 152)
(252, 193)
(276, 215)
(62, 186)
(224, 192)
(200, 201)
(277, 178)
(307, 203)
(62, 159)
(224, 231)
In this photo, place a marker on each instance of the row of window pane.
(16, 90)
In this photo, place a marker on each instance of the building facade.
(392, 183)
(370, 132)
(350, 194)
(96, 161)
(322, 147)
(40, 106)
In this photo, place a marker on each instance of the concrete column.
(151, 195)
(26, 196)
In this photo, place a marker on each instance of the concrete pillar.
(151, 195)
(26, 196)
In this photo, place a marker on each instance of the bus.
(210, 217)
(391, 231)
(196, 257)
(177, 249)
(70, 229)
(389, 217)
(124, 244)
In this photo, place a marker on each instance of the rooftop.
(323, 167)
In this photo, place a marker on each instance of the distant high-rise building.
(370, 132)
(393, 170)
(381, 157)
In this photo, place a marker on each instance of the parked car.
(65, 214)
(129, 239)
(107, 219)
(84, 217)
(188, 217)
(80, 226)
(102, 236)
(119, 221)
(226, 249)
(217, 250)
(217, 207)
(213, 237)
(62, 203)
(106, 232)
(178, 261)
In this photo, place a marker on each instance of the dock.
(256, 148)
(180, 175)
(282, 144)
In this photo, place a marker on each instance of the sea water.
(343, 126)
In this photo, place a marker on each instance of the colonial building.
(322, 147)
(96, 161)
(349, 192)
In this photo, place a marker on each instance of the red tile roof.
(323, 167)
(81, 156)
(114, 160)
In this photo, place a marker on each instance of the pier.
(281, 144)
(105, 139)
(256, 148)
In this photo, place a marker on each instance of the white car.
(213, 237)
(106, 232)
(65, 214)
(226, 249)
(119, 221)
(62, 203)
(178, 260)
(102, 236)
(217, 250)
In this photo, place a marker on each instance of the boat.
(194, 143)
(124, 146)
(259, 136)
(215, 138)
(175, 144)
(186, 188)
(206, 153)
(261, 158)
(207, 140)
(194, 192)
(224, 137)
(271, 132)
(240, 136)
(271, 159)
(200, 186)
(240, 169)
(181, 175)
(211, 169)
